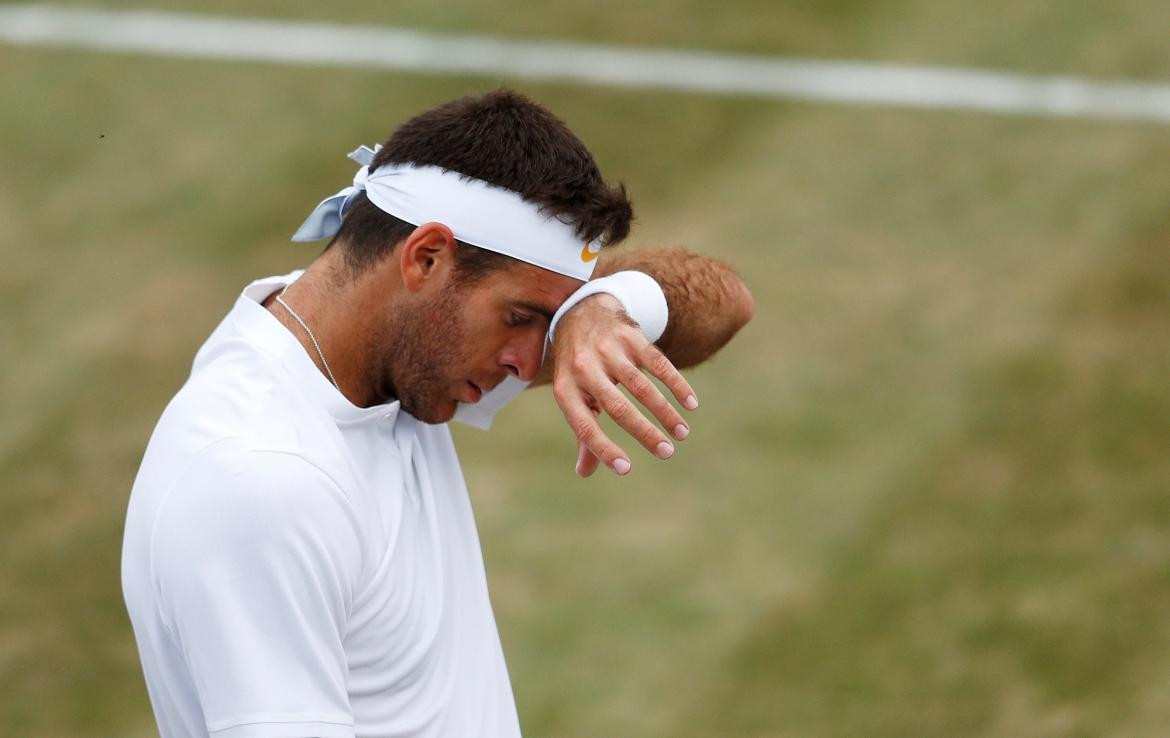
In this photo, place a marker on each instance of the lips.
(473, 392)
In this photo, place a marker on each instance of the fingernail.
(664, 450)
(621, 466)
(681, 431)
(691, 402)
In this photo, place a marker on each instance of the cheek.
(483, 336)
(478, 335)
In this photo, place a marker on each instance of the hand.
(598, 347)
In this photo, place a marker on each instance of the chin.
(432, 413)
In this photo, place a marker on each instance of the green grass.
(926, 490)
(1095, 38)
(1012, 582)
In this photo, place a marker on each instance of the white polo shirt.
(294, 565)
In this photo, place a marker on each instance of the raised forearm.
(708, 302)
(597, 346)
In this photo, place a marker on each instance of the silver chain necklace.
(280, 299)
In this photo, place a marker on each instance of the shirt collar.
(263, 329)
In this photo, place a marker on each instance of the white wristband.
(638, 293)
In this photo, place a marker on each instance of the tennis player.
(300, 557)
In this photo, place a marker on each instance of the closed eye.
(524, 313)
(519, 319)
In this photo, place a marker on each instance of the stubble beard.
(421, 355)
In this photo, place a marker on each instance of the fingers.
(632, 421)
(645, 392)
(655, 362)
(585, 427)
(586, 461)
(586, 385)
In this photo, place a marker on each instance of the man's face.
(470, 337)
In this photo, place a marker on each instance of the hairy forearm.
(707, 301)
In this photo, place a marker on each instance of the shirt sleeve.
(256, 560)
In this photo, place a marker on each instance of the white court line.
(307, 43)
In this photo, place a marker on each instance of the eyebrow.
(538, 309)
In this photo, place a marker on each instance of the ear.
(427, 256)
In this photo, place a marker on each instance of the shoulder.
(247, 478)
(250, 398)
(237, 507)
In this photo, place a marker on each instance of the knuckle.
(561, 388)
(642, 387)
(582, 429)
(651, 353)
(631, 332)
(617, 409)
(648, 436)
(659, 364)
(578, 362)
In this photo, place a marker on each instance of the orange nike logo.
(587, 254)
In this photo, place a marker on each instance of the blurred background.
(927, 489)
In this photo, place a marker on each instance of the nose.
(522, 358)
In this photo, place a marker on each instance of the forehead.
(525, 282)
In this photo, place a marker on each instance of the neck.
(335, 310)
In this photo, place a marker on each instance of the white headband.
(477, 213)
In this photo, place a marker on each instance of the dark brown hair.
(507, 140)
